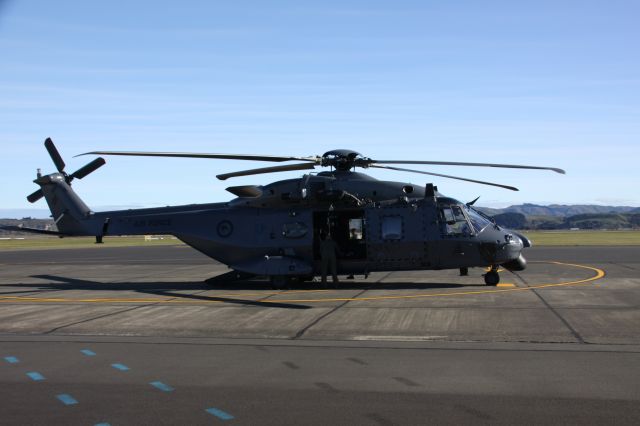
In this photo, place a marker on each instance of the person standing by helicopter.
(328, 257)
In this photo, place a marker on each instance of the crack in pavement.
(335, 308)
(573, 331)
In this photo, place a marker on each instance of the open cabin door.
(348, 230)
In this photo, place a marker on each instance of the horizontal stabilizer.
(30, 230)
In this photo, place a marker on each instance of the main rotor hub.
(344, 159)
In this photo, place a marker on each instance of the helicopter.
(274, 230)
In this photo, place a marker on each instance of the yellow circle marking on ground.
(599, 273)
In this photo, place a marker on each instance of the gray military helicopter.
(274, 230)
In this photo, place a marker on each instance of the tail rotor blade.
(55, 155)
(32, 198)
(89, 168)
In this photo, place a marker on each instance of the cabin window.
(355, 229)
(454, 221)
(392, 228)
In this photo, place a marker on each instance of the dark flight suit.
(328, 257)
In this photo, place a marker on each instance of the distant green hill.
(560, 210)
(580, 221)
(558, 216)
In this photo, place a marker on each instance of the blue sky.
(542, 83)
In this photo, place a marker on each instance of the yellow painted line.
(599, 273)
(505, 285)
(303, 291)
(157, 300)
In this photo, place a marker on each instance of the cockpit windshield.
(479, 221)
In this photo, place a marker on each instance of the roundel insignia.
(225, 228)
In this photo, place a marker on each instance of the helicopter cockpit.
(459, 219)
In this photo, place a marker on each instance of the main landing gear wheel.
(492, 278)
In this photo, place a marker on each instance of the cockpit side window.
(447, 214)
(454, 221)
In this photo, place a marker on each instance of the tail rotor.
(60, 165)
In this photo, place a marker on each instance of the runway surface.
(134, 336)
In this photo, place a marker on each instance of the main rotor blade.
(88, 168)
(54, 154)
(35, 196)
(454, 163)
(204, 155)
(512, 188)
(287, 168)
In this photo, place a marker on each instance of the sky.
(543, 83)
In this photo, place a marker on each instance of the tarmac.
(135, 336)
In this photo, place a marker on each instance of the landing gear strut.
(492, 278)
(280, 282)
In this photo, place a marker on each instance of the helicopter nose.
(526, 242)
(513, 244)
(518, 264)
(501, 247)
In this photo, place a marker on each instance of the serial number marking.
(151, 222)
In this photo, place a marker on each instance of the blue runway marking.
(11, 359)
(88, 352)
(35, 376)
(66, 399)
(219, 414)
(161, 386)
(102, 424)
(120, 367)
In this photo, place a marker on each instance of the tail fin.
(67, 209)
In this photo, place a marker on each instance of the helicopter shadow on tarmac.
(342, 285)
(257, 283)
(166, 289)
(175, 289)
(233, 281)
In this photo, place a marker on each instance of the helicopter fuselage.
(274, 230)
